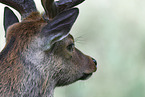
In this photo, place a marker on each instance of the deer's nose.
(94, 61)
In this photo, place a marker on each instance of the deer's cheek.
(68, 55)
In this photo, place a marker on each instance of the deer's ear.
(9, 18)
(58, 28)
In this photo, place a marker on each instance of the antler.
(65, 4)
(53, 8)
(24, 7)
(50, 8)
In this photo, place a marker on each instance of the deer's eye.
(70, 47)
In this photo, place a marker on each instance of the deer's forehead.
(66, 41)
(69, 39)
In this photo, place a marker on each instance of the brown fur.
(27, 71)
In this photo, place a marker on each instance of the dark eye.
(70, 47)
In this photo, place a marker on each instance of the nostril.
(94, 61)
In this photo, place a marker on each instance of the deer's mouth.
(86, 76)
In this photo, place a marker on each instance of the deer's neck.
(37, 80)
(36, 85)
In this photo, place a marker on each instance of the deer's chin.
(86, 76)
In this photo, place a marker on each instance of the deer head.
(40, 54)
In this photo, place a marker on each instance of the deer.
(40, 53)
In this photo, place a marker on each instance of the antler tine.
(50, 8)
(53, 8)
(24, 7)
(65, 4)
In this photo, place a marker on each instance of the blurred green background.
(113, 32)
